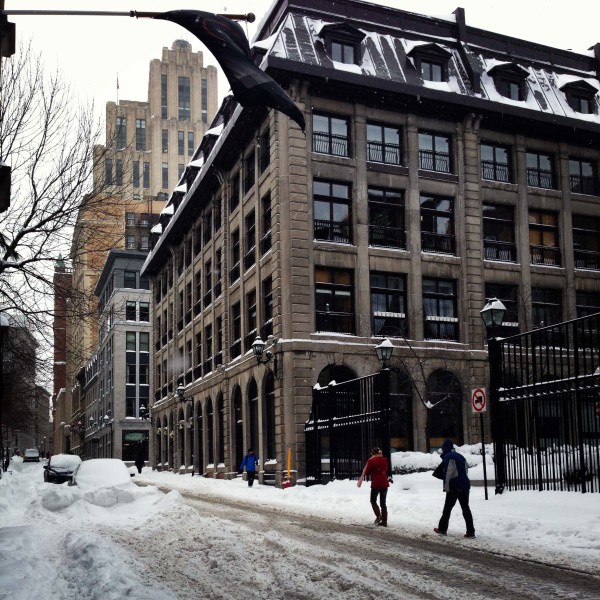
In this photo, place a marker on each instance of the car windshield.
(31, 453)
(102, 472)
(65, 460)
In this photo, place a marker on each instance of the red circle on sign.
(478, 400)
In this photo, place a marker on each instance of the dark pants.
(382, 493)
(250, 475)
(463, 498)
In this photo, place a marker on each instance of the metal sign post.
(479, 405)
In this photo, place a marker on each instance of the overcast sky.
(91, 51)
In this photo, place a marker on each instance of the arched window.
(221, 433)
(253, 416)
(199, 423)
(443, 392)
(210, 434)
(238, 426)
(401, 430)
(181, 437)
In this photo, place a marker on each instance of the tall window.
(440, 309)
(509, 296)
(207, 282)
(582, 178)
(388, 304)
(383, 144)
(499, 232)
(265, 240)
(251, 319)
(265, 151)
(437, 224)
(249, 172)
(204, 99)
(332, 211)
(190, 143)
(145, 312)
(434, 152)
(540, 170)
(218, 271)
(165, 176)
(121, 132)
(140, 134)
(146, 182)
(236, 330)
(330, 135)
(163, 97)
(495, 163)
(183, 96)
(130, 243)
(130, 279)
(130, 219)
(108, 171)
(136, 173)
(180, 143)
(387, 226)
(165, 141)
(546, 306)
(250, 240)
(586, 242)
(334, 300)
(130, 310)
(234, 272)
(208, 349)
(119, 172)
(267, 298)
(234, 199)
(543, 238)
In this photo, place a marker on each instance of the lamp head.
(493, 313)
(258, 347)
(181, 392)
(384, 351)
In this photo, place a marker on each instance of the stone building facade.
(441, 165)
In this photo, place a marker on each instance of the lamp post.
(493, 315)
(384, 354)
(181, 392)
(108, 423)
(4, 324)
(258, 349)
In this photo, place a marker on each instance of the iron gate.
(547, 424)
(346, 421)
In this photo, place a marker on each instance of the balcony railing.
(389, 325)
(587, 259)
(434, 161)
(501, 251)
(388, 237)
(437, 242)
(540, 178)
(326, 143)
(335, 322)
(545, 255)
(495, 171)
(331, 231)
(441, 330)
(583, 185)
(384, 153)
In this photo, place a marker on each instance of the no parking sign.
(479, 400)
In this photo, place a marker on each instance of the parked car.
(98, 473)
(60, 468)
(31, 455)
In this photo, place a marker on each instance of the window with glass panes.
(540, 170)
(250, 240)
(434, 152)
(383, 144)
(163, 97)
(236, 330)
(165, 141)
(140, 134)
(344, 53)
(543, 238)
(582, 176)
(130, 279)
(146, 176)
(207, 282)
(180, 143)
(334, 300)
(183, 98)
(388, 304)
(267, 306)
(165, 176)
(130, 310)
(499, 232)
(251, 319)
(234, 272)
(432, 70)
(145, 312)
(265, 150)
(121, 132)
(119, 172)
(204, 99)
(218, 272)
(331, 135)
(440, 309)
(190, 143)
(437, 224)
(511, 87)
(265, 240)
(586, 242)
(136, 174)
(332, 211)
(234, 199)
(546, 306)
(208, 349)
(249, 172)
(587, 302)
(495, 162)
(108, 171)
(387, 225)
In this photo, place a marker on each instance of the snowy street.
(222, 539)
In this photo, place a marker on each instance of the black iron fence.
(547, 424)
(346, 421)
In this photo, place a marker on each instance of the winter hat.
(447, 446)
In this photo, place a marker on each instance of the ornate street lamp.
(384, 352)
(258, 349)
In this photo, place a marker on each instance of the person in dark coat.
(377, 468)
(456, 486)
(139, 463)
(249, 463)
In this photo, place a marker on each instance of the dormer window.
(510, 81)
(431, 61)
(581, 96)
(342, 42)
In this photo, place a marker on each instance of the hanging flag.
(226, 40)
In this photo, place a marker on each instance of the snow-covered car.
(60, 468)
(104, 481)
(31, 455)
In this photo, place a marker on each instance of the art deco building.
(441, 165)
(147, 145)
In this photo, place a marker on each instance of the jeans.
(463, 498)
(250, 475)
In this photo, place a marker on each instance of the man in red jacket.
(377, 468)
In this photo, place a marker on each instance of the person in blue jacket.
(457, 486)
(249, 463)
